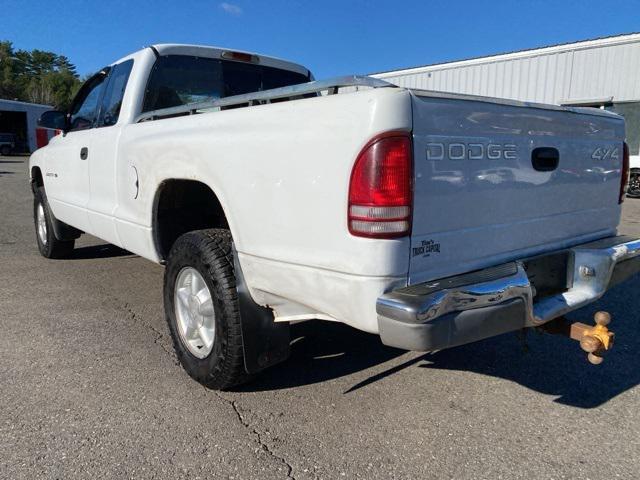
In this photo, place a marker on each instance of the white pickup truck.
(430, 219)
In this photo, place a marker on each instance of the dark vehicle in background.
(7, 143)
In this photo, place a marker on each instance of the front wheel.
(5, 150)
(48, 245)
(201, 308)
(633, 190)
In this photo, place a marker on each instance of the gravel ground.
(90, 387)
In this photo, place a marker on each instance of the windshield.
(179, 80)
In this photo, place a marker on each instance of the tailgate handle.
(545, 159)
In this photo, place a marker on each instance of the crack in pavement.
(258, 436)
(157, 333)
(241, 418)
(133, 316)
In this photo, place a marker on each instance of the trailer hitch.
(595, 340)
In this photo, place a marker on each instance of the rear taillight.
(624, 179)
(380, 196)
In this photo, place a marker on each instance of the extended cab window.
(84, 109)
(179, 80)
(112, 100)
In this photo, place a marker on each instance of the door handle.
(84, 153)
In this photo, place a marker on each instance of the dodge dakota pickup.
(431, 219)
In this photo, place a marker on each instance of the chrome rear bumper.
(470, 307)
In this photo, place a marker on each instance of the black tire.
(49, 246)
(210, 253)
(5, 150)
(633, 189)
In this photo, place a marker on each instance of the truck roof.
(217, 52)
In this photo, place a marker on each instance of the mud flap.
(64, 232)
(265, 342)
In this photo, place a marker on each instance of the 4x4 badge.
(605, 153)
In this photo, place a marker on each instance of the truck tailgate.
(496, 181)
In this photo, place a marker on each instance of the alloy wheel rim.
(42, 224)
(195, 315)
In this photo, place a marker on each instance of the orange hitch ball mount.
(594, 340)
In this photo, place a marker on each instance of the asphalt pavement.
(90, 386)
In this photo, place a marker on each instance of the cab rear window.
(180, 80)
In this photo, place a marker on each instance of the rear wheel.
(634, 183)
(48, 245)
(201, 308)
(5, 150)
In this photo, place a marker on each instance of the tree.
(37, 76)
(9, 87)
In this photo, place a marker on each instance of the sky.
(330, 37)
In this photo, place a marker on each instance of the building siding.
(575, 72)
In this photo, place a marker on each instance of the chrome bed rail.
(331, 85)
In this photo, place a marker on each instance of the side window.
(85, 106)
(114, 93)
(178, 80)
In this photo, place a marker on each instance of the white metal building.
(603, 73)
(20, 118)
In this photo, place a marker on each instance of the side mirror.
(53, 119)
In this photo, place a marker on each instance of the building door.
(15, 123)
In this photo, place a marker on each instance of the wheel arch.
(181, 205)
(36, 178)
